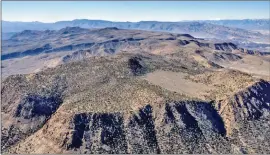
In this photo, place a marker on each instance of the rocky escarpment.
(137, 66)
(76, 56)
(246, 117)
(29, 106)
(247, 105)
(180, 127)
(97, 133)
(191, 127)
(225, 46)
(29, 52)
(251, 52)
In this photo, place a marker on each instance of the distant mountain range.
(240, 32)
(249, 24)
(33, 42)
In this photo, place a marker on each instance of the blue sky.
(53, 11)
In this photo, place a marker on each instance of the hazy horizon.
(171, 11)
(139, 21)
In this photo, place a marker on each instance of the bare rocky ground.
(179, 97)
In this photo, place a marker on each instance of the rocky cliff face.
(181, 127)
